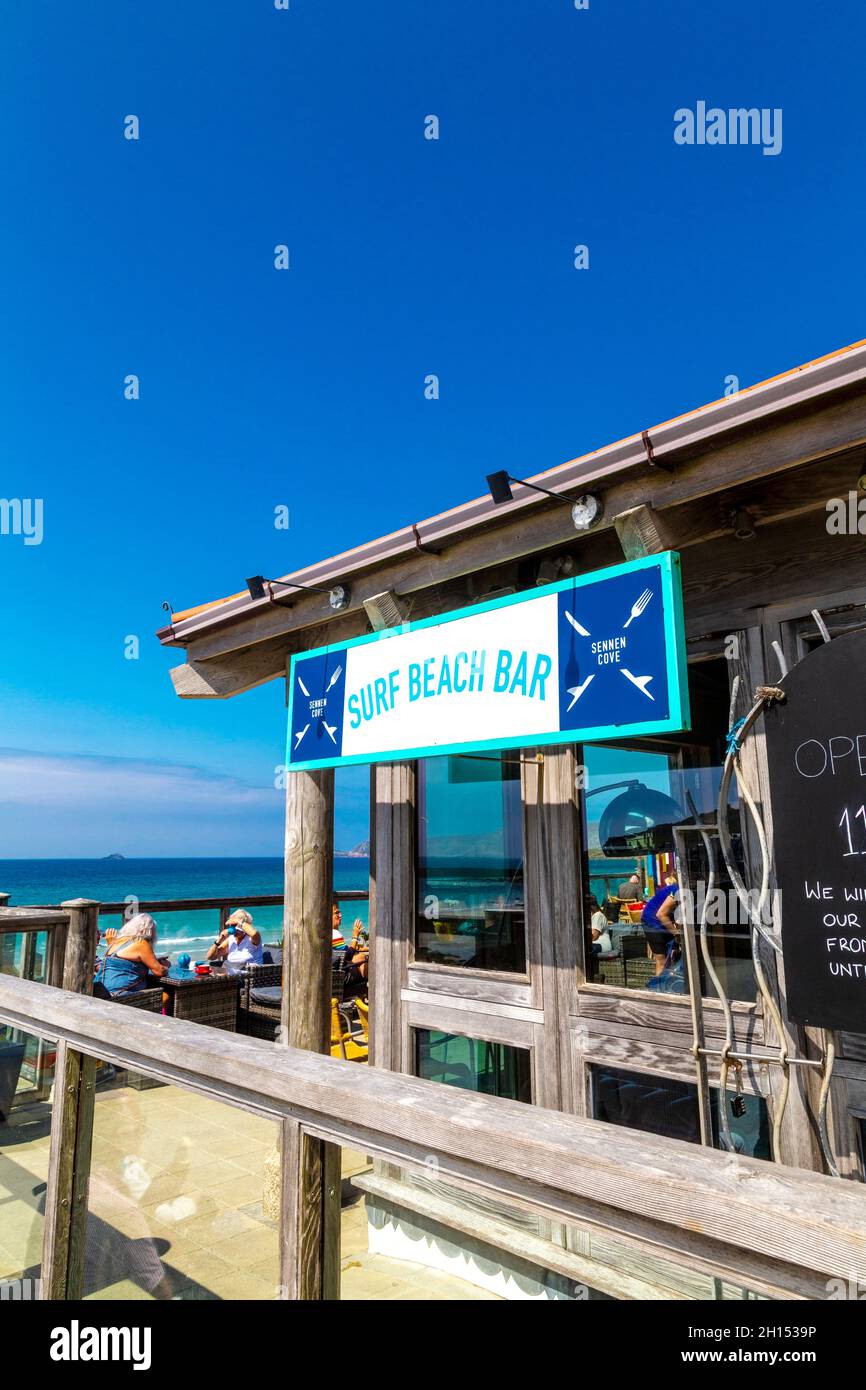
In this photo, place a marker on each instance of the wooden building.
(519, 1003)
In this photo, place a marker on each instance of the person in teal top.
(130, 961)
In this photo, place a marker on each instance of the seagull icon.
(640, 681)
(299, 736)
(575, 691)
(330, 730)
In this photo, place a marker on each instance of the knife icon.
(576, 625)
(640, 681)
(575, 691)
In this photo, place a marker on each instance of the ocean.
(47, 881)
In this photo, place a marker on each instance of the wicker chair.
(257, 975)
(263, 1020)
(149, 999)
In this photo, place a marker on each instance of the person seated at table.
(657, 920)
(353, 955)
(599, 928)
(630, 890)
(130, 960)
(238, 944)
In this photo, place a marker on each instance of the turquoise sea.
(49, 881)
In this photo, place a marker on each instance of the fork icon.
(638, 607)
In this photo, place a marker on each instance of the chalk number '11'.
(845, 824)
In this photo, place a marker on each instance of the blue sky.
(408, 257)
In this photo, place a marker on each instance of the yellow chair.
(342, 1042)
(362, 1008)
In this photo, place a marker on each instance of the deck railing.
(778, 1231)
(53, 920)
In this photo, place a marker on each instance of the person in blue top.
(657, 920)
(129, 961)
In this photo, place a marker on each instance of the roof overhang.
(664, 462)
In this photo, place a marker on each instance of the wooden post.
(7, 942)
(392, 905)
(65, 1231)
(310, 1224)
(306, 1013)
(82, 936)
(310, 1168)
(57, 937)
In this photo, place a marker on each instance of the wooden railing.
(53, 919)
(778, 1231)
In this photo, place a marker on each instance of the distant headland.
(113, 856)
(361, 851)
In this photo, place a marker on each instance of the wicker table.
(209, 999)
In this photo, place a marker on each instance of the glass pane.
(636, 803)
(470, 862)
(25, 1138)
(473, 1064)
(24, 954)
(408, 1234)
(661, 1105)
(183, 1196)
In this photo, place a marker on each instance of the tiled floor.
(177, 1193)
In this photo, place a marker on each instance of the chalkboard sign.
(816, 747)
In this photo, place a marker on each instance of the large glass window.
(25, 1139)
(470, 862)
(492, 1068)
(661, 1105)
(641, 806)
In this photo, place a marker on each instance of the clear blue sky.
(408, 257)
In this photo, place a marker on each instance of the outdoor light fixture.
(552, 569)
(584, 511)
(743, 524)
(338, 597)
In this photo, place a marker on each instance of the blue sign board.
(599, 656)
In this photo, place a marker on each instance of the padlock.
(738, 1102)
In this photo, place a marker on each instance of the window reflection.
(636, 802)
(470, 862)
(661, 1105)
(494, 1069)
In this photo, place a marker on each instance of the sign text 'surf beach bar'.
(598, 656)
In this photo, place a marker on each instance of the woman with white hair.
(130, 960)
(238, 944)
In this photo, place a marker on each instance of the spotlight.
(584, 511)
(743, 524)
(557, 568)
(500, 487)
(338, 597)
